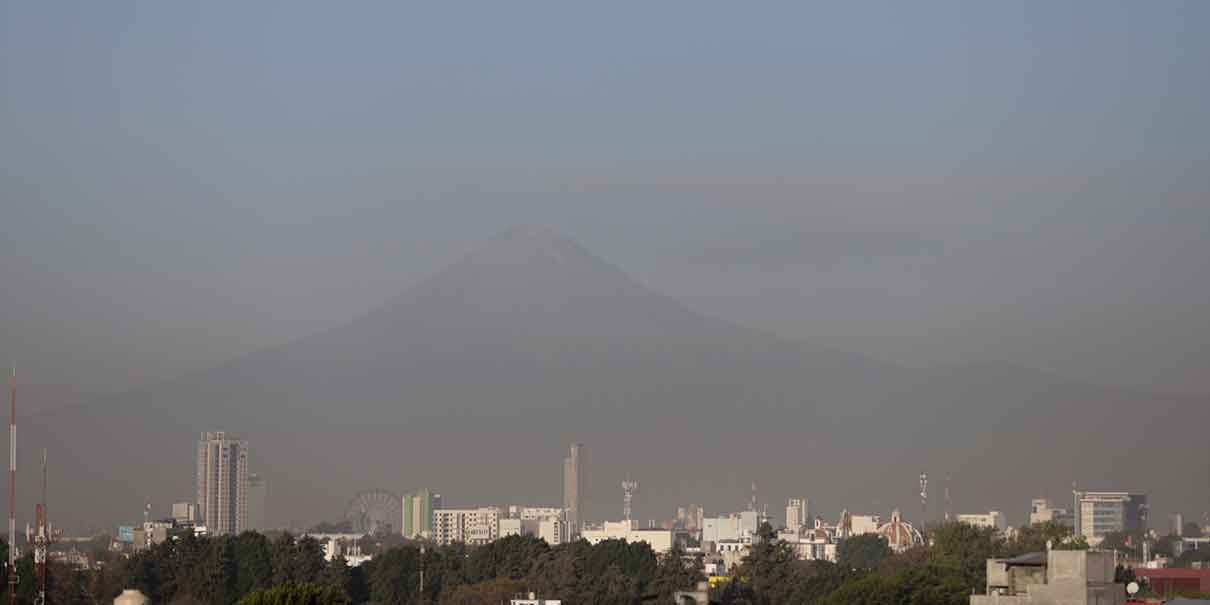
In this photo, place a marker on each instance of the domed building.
(899, 534)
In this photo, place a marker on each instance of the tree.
(510, 557)
(394, 576)
(866, 551)
(1033, 538)
(614, 587)
(771, 567)
(673, 574)
(496, 590)
(964, 550)
(296, 593)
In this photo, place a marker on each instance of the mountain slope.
(474, 381)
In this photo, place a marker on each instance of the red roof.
(1176, 575)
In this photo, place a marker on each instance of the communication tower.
(924, 496)
(628, 489)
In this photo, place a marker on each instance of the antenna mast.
(40, 536)
(628, 488)
(12, 490)
(924, 497)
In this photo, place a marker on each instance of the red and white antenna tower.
(12, 490)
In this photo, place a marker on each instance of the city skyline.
(874, 417)
(606, 303)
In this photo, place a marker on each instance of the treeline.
(254, 569)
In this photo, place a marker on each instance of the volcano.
(473, 382)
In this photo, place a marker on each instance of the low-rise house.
(1056, 577)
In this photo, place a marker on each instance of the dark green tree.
(293, 593)
(863, 552)
(672, 574)
(771, 568)
(253, 562)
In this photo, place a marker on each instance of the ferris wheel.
(374, 511)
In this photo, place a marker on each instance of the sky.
(924, 183)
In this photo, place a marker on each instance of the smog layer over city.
(617, 303)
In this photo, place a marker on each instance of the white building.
(1041, 511)
(184, 512)
(347, 548)
(553, 530)
(797, 513)
(535, 512)
(993, 519)
(545, 522)
(736, 527)
(1101, 513)
(222, 483)
(573, 478)
(532, 599)
(815, 543)
(467, 525)
(660, 540)
(864, 524)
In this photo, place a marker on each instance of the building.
(184, 512)
(797, 512)
(222, 483)
(1176, 524)
(660, 540)
(553, 530)
(1176, 582)
(535, 512)
(1057, 577)
(1041, 511)
(736, 527)
(418, 513)
(545, 522)
(573, 477)
(1184, 545)
(532, 599)
(513, 526)
(690, 517)
(899, 534)
(993, 519)
(258, 492)
(815, 543)
(347, 548)
(473, 526)
(1100, 513)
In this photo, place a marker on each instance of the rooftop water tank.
(131, 596)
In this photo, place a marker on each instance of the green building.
(418, 513)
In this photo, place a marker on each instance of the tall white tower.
(222, 483)
(572, 479)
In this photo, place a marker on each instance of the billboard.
(126, 534)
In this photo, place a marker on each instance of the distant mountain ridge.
(474, 381)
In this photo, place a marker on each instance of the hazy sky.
(919, 182)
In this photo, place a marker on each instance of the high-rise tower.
(258, 493)
(572, 480)
(222, 483)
